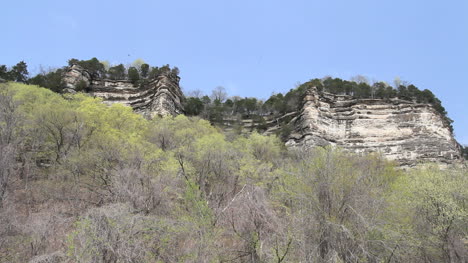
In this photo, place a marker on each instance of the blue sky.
(254, 48)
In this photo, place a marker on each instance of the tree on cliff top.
(117, 72)
(18, 72)
(133, 75)
(93, 66)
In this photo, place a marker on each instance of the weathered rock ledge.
(160, 96)
(404, 131)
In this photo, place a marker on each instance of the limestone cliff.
(404, 131)
(160, 96)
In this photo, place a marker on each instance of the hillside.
(81, 181)
(406, 124)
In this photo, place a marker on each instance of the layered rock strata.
(404, 131)
(160, 96)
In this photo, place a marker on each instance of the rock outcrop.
(160, 96)
(404, 131)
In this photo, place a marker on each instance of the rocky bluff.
(401, 130)
(160, 96)
(404, 131)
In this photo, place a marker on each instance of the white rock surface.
(159, 97)
(403, 131)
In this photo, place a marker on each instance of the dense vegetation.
(139, 72)
(84, 182)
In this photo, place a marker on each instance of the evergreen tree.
(133, 75)
(19, 72)
(117, 72)
(4, 74)
(144, 69)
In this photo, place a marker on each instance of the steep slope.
(160, 96)
(404, 131)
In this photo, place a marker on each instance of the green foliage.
(133, 75)
(439, 217)
(144, 69)
(93, 66)
(4, 72)
(81, 86)
(193, 106)
(51, 80)
(116, 187)
(154, 72)
(117, 72)
(18, 72)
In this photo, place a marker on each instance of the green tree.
(117, 72)
(193, 106)
(155, 71)
(81, 86)
(4, 72)
(133, 75)
(144, 69)
(437, 200)
(19, 72)
(175, 71)
(93, 66)
(51, 80)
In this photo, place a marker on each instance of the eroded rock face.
(403, 131)
(73, 76)
(158, 97)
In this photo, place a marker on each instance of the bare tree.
(360, 79)
(9, 140)
(219, 94)
(195, 93)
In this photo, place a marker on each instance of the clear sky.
(254, 48)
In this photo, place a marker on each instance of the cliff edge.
(160, 96)
(401, 130)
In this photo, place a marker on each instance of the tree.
(165, 69)
(73, 61)
(465, 151)
(106, 64)
(437, 200)
(9, 139)
(144, 69)
(4, 74)
(19, 72)
(93, 66)
(206, 100)
(338, 199)
(360, 79)
(51, 79)
(175, 71)
(81, 86)
(219, 94)
(137, 63)
(155, 71)
(193, 106)
(380, 90)
(117, 72)
(133, 75)
(195, 93)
